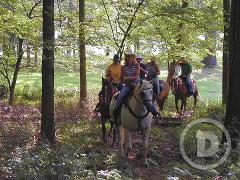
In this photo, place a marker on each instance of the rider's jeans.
(189, 83)
(123, 93)
(156, 84)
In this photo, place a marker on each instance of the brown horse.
(180, 89)
(163, 95)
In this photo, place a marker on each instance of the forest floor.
(81, 154)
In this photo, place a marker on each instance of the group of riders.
(124, 77)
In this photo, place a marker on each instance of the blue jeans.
(156, 84)
(125, 90)
(120, 86)
(189, 84)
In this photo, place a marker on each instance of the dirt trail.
(162, 152)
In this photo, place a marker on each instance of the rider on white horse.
(130, 77)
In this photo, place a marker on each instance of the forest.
(119, 89)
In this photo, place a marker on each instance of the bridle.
(107, 93)
(144, 102)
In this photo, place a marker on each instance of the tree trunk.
(47, 121)
(16, 70)
(225, 76)
(28, 56)
(35, 57)
(82, 52)
(232, 119)
(136, 45)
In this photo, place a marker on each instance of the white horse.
(135, 115)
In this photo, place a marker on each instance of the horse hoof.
(113, 145)
(146, 164)
(105, 140)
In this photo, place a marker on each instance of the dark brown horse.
(106, 94)
(180, 89)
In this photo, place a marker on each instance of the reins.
(135, 115)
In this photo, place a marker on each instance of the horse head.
(171, 67)
(106, 91)
(144, 93)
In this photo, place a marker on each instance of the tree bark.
(225, 76)
(35, 57)
(16, 70)
(47, 110)
(82, 52)
(136, 45)
(121, 45)
(232, 119)
(28, 56)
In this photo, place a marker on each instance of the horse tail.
(161, 102)
(199, 98)
(196, 96)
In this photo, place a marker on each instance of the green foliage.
(156, 27)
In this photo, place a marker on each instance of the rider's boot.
(156, 114)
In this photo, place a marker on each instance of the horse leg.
(103, 121)
(183, 106)
(122, 137)
(195, 99)
(176, 104)
(128, 140)
(114, 130)
(111, 129)
(116, 136)
(145, 134)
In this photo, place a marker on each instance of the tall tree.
(16, 71)
(28, 50)
(225, 77)
(82, 50)
(47, 121)
(23, 19)
(126, 27)
(232, 119)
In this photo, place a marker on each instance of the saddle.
(183, 85)
(124, 101)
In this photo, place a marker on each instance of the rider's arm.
(158, 70)
(108, 72)
(143, 70)
(122, 74)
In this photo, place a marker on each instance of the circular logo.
(204, 139)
